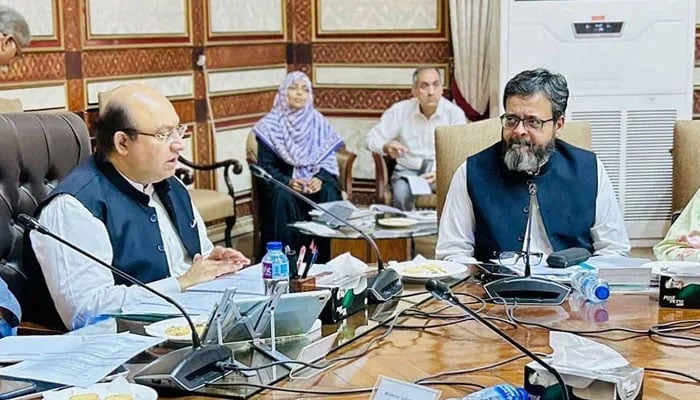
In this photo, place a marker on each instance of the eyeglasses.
(177, 132)
(531, 123)
(513, 257)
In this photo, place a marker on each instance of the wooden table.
(410, 354)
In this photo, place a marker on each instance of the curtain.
(475, 44)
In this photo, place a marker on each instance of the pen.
(300, 260)
(314, 254)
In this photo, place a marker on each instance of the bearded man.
(487, 205)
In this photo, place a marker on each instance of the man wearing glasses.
(14, 35)
(487, 205)
(125, 206)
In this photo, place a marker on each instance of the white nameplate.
(393, 389)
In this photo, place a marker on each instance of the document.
(194, 303)
(247, 281)
(71, 360)
(315, 228)
(418, 185)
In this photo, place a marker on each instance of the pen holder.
(302, 285)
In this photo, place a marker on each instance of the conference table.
(415, 350)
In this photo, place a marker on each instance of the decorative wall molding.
(382, 20)
(246, 80)
(45, 19)
(230, 21)
(175, 86)
(137, 23)
(376, 76)
(42, 96)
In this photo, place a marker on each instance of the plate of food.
(119, 389)
(177, 329)
(420, 270)
(397, 222)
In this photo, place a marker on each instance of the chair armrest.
(381, 177)
(675, 215)
(346, 159)
(185, 175)
(225, 164)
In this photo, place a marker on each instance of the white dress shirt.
(82, 289)
(456, 234)
(404, 122)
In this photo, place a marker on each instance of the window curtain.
(475, 44)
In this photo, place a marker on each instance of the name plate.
(393, 389)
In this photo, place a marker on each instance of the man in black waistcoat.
(125, 206)
(487, 206)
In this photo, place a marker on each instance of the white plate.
(428, 269)
(104, 390)
(397, 222)
(160, 328)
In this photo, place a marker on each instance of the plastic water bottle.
(275, 266)
(499, 392)
(591, 286)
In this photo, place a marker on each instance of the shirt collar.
(146, 189)
(438, 111)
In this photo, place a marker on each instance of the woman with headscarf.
(296, 145)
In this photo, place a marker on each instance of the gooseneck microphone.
(528, 289)
(387, 283)
(441, 291)
(182, 369)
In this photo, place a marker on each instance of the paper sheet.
(71, 360)
(418, 185)
(246, 281)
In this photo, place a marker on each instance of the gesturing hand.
(394, 149)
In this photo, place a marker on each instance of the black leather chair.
(37, 150)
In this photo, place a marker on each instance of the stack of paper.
(622, 270)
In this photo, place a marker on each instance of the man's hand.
(394, 149)
(430, 177)
(313, 185)
(221, 261)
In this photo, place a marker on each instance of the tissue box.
(624, 383)
(677, 290)
(343, 302)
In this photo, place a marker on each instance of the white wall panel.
(137, 17)
(353, 131)
(365, 76)
(38, 13)
(39, 98)
(378, 15)
(170, 86)
(245, 16)
(246, 80)
(231, 144)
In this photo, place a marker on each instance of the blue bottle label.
(507, 392)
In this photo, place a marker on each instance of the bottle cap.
(274, 245)
(602, 292)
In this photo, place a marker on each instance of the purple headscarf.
(302, 138)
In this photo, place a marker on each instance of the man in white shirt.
(406, 133)
(487, 206)
(125, 206)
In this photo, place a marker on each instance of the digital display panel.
(598, 28)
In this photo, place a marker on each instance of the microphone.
(185, 369)
(528, 289)
(387, 283)
(441, 291)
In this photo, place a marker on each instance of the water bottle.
(588, 310)
(498, 392)
(591, 286)
(275, 266)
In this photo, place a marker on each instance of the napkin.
(348, 272)
(577, 352)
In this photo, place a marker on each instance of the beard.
(522, 155)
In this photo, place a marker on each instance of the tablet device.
(295, 314)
